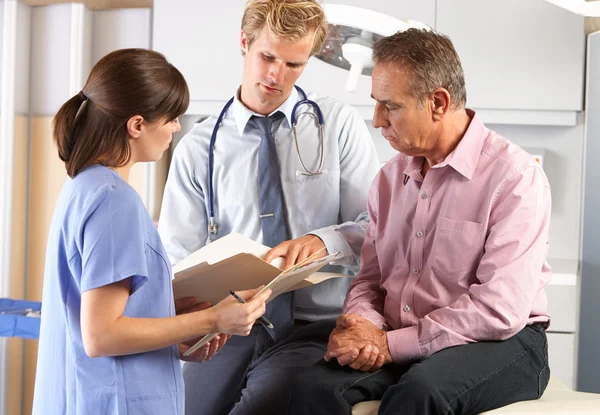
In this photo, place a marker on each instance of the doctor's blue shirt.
(101, 234)
(332, 205)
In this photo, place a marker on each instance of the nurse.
(109, 333)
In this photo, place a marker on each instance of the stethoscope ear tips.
(304, 173)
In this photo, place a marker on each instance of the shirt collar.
(242, 114)
(413, 169)
(464, 158)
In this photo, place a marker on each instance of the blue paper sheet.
(13, 319)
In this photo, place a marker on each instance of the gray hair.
(431, 59)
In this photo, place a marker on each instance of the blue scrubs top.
(100, 234)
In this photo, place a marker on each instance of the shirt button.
(406, 308)
(424, 196)
(419, 233)
(416, 271)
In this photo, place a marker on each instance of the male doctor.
(268, 191)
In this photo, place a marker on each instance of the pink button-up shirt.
(460, 255)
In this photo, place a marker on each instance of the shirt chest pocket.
(457, 246)
(157, 299)
(318, 199)
(155, 254)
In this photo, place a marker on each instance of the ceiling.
(592, 24)
(95, 4)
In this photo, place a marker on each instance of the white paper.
(223, 248)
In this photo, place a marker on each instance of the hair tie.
(83, 105)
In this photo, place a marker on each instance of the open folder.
(235, 262)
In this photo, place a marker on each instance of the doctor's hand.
(206, 352)
(297, 250)
(358, 343)
(233, 317)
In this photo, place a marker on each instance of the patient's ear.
(440, 103)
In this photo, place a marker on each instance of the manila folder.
(234, 262)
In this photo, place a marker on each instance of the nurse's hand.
(232, 317)
(206, 352)
(297, 250)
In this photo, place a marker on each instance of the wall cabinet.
(523, 60)
(205, 48)
(563, 308)
(561, 357)
(517, 55)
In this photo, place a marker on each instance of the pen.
(210, 337)
(262, 319)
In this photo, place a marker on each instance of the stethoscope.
(212, 225)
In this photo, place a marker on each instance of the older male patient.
(448, 312)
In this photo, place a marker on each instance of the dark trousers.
(467, 379)
(252, 375)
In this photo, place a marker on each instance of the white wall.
(120, 28)
(23, 61)
(1, 35)
(50, 54)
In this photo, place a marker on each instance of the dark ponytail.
(91, 127)
(64, 125)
